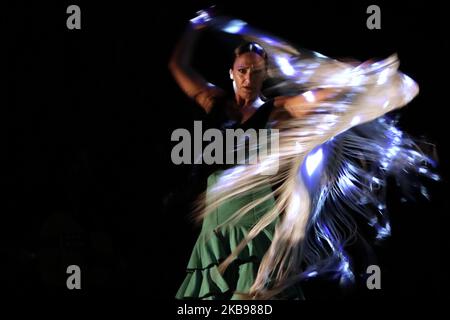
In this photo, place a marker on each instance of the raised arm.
(192, 83)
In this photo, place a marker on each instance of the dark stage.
(86, 172)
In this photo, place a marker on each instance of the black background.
(85, 162)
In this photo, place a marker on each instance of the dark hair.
(251, 47)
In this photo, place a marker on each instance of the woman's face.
(248, 73)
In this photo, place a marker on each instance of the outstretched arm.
(192, 83)
(300, 105)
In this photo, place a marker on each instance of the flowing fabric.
(331, 165)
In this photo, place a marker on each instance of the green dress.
(203, 279)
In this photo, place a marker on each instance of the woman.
(245, 108)
(263, 234)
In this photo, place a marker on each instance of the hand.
(203, 19)
(209, 19)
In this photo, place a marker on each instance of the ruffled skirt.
(203, 279)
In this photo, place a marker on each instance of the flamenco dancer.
(262, 234)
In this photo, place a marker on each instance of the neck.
(245, 103)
